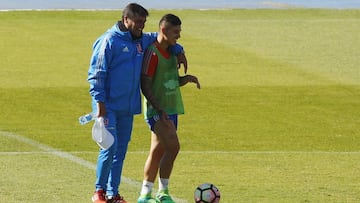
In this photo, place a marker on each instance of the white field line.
(202, 152)
(67, 156)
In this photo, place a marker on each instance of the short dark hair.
(133, 9)
(171, 19)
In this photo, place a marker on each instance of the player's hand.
(181, 58)
(193, 79)
(101, 109)
(163, 115)
(164, 118)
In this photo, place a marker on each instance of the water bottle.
(87, 118)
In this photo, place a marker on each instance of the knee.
(177, 146)
(174, 146)
(176, 150)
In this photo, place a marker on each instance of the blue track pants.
(110, 161)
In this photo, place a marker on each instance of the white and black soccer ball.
(207, 193)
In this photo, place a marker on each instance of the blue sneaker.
(146, 199)
(164, 197)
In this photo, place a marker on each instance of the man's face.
(172, 34)
(135, 25)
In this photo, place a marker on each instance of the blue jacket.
(115, 69)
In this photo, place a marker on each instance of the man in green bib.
(160, 84)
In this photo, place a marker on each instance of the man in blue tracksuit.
(114, 77)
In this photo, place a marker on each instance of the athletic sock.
(163, 183)
(146, 187)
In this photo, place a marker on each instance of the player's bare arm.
(181, 58)
(146, 83)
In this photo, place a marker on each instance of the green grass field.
(277, 118)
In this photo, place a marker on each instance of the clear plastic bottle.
(84, 119)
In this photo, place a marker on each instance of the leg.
(153, 160)
(163, 151)
(151, 168)
(105, 157)
(166, 133)
(123, 128)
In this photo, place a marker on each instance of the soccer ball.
(207, 193)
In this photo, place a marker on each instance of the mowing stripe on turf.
(67, 156)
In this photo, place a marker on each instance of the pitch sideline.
(69, 157)
(204, 152)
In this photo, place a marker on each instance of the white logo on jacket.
(125, 49)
